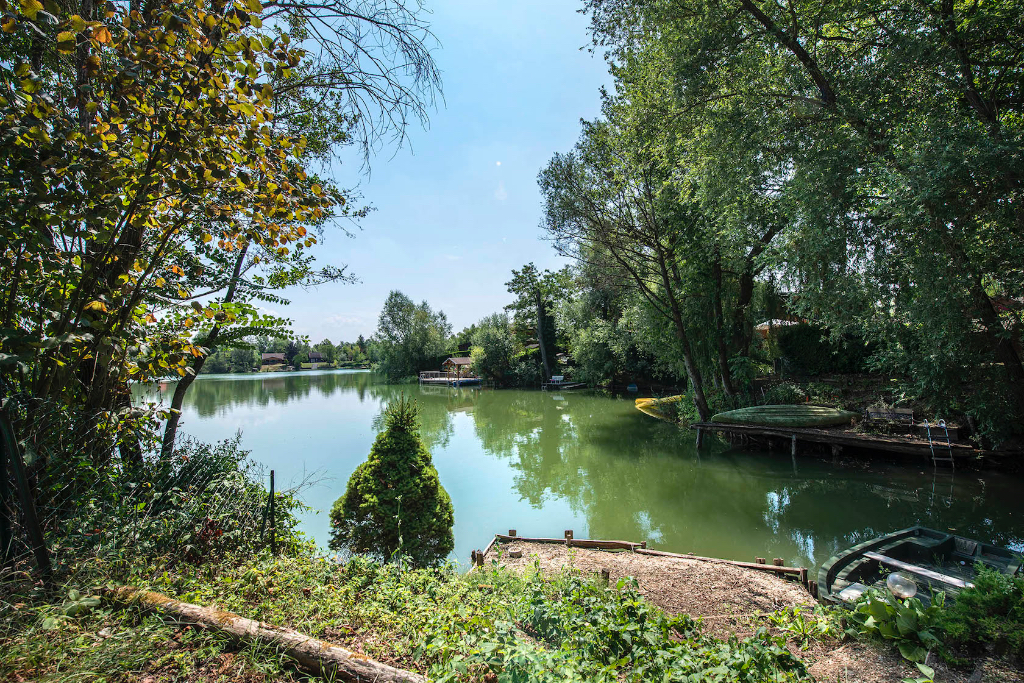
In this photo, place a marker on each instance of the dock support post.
(568, 536)
(836, 450)
(778, 562)
(759, 560)
(793, 445)
(700, 438)
(512, 533)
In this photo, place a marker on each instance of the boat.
(652, 406)
(924, 561)
(800, 415)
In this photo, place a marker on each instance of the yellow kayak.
(651, 406)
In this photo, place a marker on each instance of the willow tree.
(605, 206)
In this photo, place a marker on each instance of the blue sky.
(451, 222)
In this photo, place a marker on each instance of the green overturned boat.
(800, 415)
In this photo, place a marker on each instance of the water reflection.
(509, 458)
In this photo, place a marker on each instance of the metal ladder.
(937, 440)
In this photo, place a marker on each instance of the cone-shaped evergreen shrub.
(394, 501)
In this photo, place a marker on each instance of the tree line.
(246, 355)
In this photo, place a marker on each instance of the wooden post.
(700, 438)
(568, 536)
(793, 445)
(643, 544)
(778, 562)
(812, 588)
(606, 575)
(273, 517)
(759, 560)
(836, 450)
(803, 576)
(512, 533)
(472, 557)
(479, 558)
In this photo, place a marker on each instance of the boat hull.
(935, 560)
(799, 415)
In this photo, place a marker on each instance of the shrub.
(394, 503)
(784, 394)
(990, 612)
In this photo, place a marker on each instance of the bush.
(784, 394)
(394, 503)
(992, 612)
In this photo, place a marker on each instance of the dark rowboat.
(934, 560)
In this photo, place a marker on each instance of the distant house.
(457, 365)
(316, 357)
(270, 362)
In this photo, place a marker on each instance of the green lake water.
(543, 462)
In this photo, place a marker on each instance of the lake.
(543, 462)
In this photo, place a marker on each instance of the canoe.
(651, 406)
(800, 415)
(925, 559)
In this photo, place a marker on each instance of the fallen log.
(316, 656)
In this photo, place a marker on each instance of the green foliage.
(409, 338)
(913, 627)
(784, 393)
(496, 350)
(806, 624)
(581, 631)
(806, 350)
(989, 614)
(394, 504)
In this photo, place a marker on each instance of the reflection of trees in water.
(636, 478)
(639, 479)
(211, 396)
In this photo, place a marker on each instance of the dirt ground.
(734, 600)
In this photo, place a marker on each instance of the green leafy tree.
(535, 292)
(495, 349)
(394, 503)
(409, 337)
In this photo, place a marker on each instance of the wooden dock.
(447, 379)
(837, 438)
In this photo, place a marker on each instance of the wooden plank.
(920, 571)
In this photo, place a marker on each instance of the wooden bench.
(920, 571)
(903, 416)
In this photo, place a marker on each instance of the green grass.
(489, 625)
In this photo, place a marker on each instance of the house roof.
(273, 356)
(315, 354)
(459, 360)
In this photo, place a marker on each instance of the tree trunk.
(742, 326)
(178, 399)
(723, 352)
(317, 656)
(1001, 343)
(540, 335)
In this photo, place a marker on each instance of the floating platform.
(836, 438)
